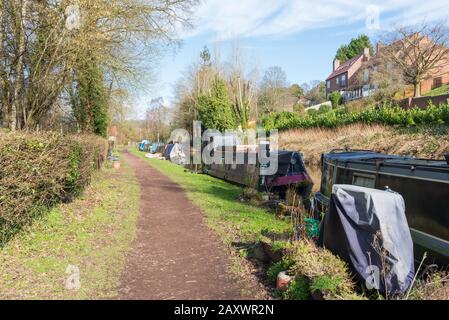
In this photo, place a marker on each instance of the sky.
(300, 36)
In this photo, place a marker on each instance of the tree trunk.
(417, 90)
(3, 79)
(19, 67)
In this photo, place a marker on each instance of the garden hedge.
(387, 115)
(38, 171)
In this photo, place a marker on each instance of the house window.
(343, 80)
(328, 84)
(389, 68)
(338, 80)
(437, 82)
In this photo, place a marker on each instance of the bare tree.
(41, 58)
(272, 90)
(242, 88)
(20, 36)
(157, 120)
(418, 52)
(387, 78)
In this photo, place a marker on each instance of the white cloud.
(226, 19)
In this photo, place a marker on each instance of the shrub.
(38, 171)
(299, 109)
(386, 114)
(299, 289)
(433, 286)
(324, 109)
(336, 99)
(215, 109)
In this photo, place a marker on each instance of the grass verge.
(93, 234)
(438, 91)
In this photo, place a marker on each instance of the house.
(344, 76)
(354, 78)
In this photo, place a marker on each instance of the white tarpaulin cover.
(177, 154)
(355, 216)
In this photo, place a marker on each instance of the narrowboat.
(291, 171)
(424, 185)
(144, 145)
(156, 146)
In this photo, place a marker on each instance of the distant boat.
(424, 185)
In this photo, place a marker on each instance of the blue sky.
(298, 35)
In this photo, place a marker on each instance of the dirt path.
(175, 256)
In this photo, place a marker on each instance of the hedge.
(386, 114)
(38, 171)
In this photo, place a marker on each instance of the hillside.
(438, 91)
(427, 142)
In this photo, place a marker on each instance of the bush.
(299, 289)
(386, 114)
(433, 286)
(336, 99)
(324, 109)
(215, 109)
(40, 170)
(299, 109)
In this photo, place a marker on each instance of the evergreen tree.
(354, 48)
(90, 105)
(215, 109)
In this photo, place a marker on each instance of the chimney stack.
(378, 47)
(366, 54)
(336, 64)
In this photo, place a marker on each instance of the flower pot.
(116, 165)
(283, 281)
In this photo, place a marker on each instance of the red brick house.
(344, 75)
(357, 81)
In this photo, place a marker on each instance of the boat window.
(364, 180)
(297, 166)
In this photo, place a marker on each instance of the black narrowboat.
(424, 185)
(291, 171)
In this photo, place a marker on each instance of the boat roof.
(371, 156)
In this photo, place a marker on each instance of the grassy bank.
(426, 142)
(92, 233)
(438, 91)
